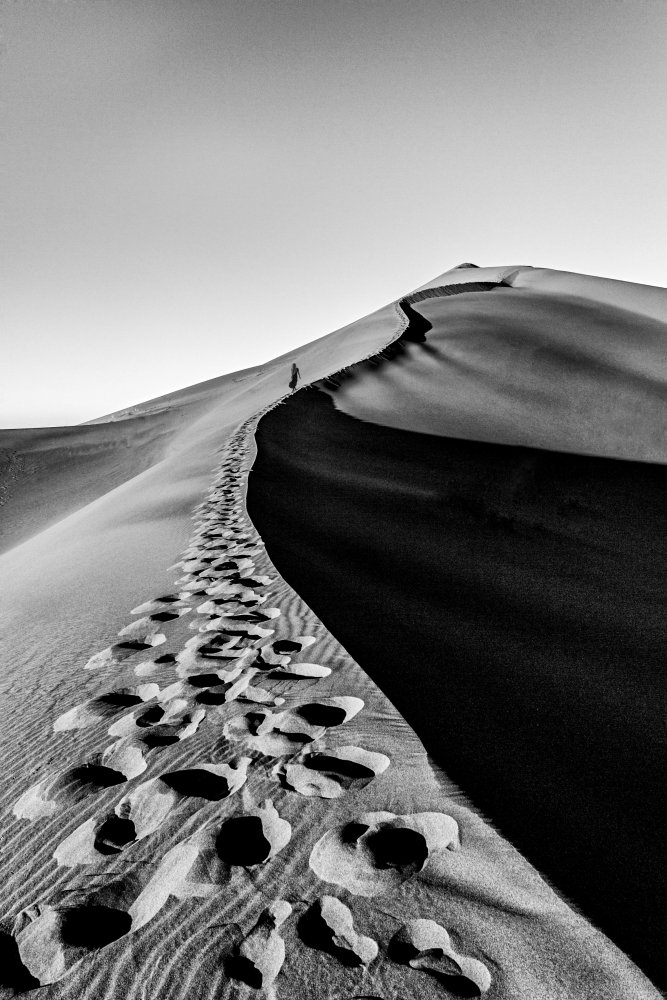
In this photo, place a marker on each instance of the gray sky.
(190, 188)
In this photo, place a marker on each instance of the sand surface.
(203, 793)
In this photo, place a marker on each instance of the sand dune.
(204, 793)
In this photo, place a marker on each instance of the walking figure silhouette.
(296, 374)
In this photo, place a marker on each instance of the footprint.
(279, 734)
(103, 706)
(330, 773)
(51, 939)
(136, 816)
(222, 676)
(242, 629)
(15, 979)
(191, 565)
(243, 549)
(254, 837)
(299, 670)
(197, 650)
(381, 850)
(426, 945)
(170, 879)
(227, 567)
(290, 646)
(145, 627)
(220, 607)
(148, 667)
(267, 658)
(209, 680)
(169, 707)
(328, 712)
(244, 581)
(159, 726)
(241, 689)
(236, 533)
(260, 696)
(143, 810)
(174, 732)
(244, 597)
(243, 615)
(122, 651)
(209, 781)
(119, 763)
(194, 588)
(328, 925)
(205, 650)
(126, 757)
(158, 604)
(260, 956)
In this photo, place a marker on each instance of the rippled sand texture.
(203, 794)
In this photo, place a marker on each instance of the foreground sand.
(204, 795)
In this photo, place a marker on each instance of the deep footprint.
(328, 925)
(329, 774)
(380, 851)
(118, 764)
(252, 839)
(425, 945)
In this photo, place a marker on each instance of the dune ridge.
(519, 367)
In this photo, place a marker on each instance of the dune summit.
(338, 677)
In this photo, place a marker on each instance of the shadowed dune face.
(523, 368)
(510, 602)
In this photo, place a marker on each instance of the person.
(296, 374)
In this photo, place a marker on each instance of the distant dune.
(220, 690)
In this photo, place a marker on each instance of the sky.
(192, 187)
